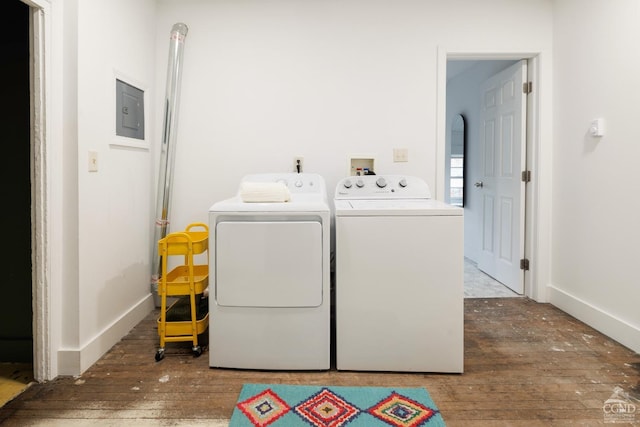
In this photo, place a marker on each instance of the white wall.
(265, 81)
(110, 232)
(595, 193)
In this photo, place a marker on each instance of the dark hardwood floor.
(526, 364)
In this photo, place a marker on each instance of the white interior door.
(502, 137)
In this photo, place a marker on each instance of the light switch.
(400, 155)
(597, 127)
(93, 161)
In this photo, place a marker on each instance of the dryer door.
(268, 264)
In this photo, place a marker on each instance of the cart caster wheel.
(159, 355)
(197, 351)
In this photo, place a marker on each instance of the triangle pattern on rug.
(263, 405)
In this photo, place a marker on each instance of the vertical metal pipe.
(167, 154)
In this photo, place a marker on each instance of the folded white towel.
(264, 192)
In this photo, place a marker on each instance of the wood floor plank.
(525, 364)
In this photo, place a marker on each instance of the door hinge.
(526, 176)
(527, 87)
(524, 264)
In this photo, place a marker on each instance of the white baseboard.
(607, 323)
(76, 361)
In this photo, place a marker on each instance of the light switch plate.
(93, 161)
(400, 155)
(597, 127)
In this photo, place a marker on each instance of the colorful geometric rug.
(276, 405)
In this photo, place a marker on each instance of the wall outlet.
(298, 164)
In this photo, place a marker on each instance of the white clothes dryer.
(269, 274)
(399, 277)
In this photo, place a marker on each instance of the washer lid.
(395, 207)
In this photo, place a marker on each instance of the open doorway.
(16, 336)
(16, 317)
(465, 93)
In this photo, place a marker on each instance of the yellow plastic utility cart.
(188, 316)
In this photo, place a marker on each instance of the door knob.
(479, 184)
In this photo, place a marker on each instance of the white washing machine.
(399, 277)
(269, 302)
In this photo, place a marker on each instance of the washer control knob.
(347, 184)
(359, 183)
(403, 183)
(298, 184)
(381, 182)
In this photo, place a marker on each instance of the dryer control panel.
(305, 183)
(382, 187)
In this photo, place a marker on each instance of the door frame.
(536, 194)
(40, 142)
